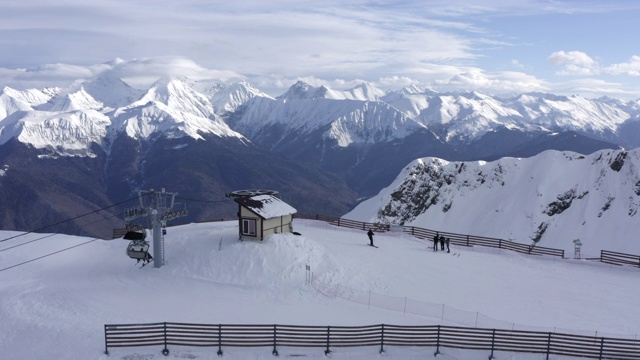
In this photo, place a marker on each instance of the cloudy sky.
(586, 47)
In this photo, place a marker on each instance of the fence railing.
(616, 258)
(328, 337)
(456, 239)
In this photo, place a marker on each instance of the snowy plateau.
(56, 307)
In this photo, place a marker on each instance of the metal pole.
(106, 345)
(327, 351)
(219, 339)
(437, 342)
(158, 261)
(275, 341)
(382, 339)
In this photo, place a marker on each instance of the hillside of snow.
(57, 292)
(550, 199)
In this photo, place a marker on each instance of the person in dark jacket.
(435, 242)
(441, 242)
(447, 242)
(370, 234)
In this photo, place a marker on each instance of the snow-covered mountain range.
(115, 139)
(363, 114)
(549, 199)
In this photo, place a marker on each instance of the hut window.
(249, 227)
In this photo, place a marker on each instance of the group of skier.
(442, 240)
(437, 238)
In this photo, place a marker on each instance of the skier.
(447, 242)
(441, 242)
(370, 234)
(435, 242)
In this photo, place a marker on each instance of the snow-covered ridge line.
(526, 200)
(363, 114)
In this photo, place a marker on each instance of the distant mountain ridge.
(356, 140)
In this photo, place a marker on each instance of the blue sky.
(584, 47)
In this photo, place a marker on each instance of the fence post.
(327, 351)
(548, 345)
(165, 351)
(219, 339)
(493, 342)
(338, 222)
(275, 350)
(106, 345)
(499, 243)
(437, 342)
(467, 240)
(601, 347)
(382, 339)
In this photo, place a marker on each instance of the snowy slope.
(12, 100)
(67, 133)
(554, 197)
(64, 300)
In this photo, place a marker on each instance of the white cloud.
(630, 68)
(574, 63)
(498, 82)
(594, 88)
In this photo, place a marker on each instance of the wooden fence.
(456, 239)
(329, 337)
(616, 258)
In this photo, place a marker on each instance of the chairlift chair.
(139, 250)
(135, 233)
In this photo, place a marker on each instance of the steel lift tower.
(157, 206)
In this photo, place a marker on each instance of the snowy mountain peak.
(299, 90)
(176, 93)
(171, 106)
(109, 89)
(78, 100)
(228, 98)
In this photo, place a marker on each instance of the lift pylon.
(157, 206)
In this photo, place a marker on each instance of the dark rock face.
(37, 190)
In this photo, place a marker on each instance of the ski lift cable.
(70, 219)
(50, 235)
(50, 254)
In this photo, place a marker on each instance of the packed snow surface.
(56, 307)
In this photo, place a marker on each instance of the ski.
(372, 245)
(145, 264)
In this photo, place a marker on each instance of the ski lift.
(138, 248)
